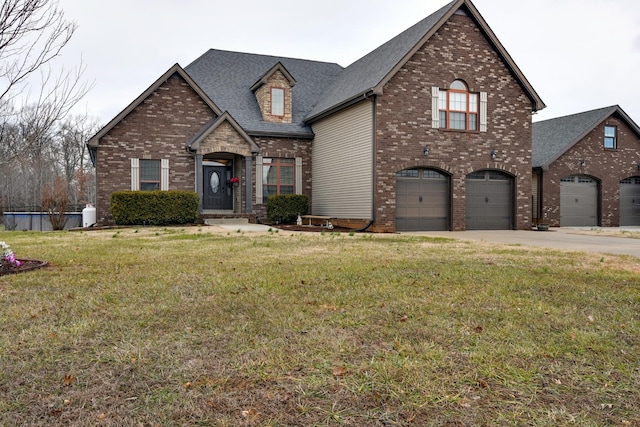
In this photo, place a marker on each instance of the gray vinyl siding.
(342, 165)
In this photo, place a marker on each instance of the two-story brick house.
(430, 131)
(586, 169)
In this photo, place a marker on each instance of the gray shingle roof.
(367, 72)
(227, 77)
(552, 138)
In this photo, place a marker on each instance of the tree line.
(44, 162)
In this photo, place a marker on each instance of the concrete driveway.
(589, 239)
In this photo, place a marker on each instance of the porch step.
(226, 221)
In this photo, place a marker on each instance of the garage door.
(489, 201)
(422, 200)
(578, 201)
(630, 201)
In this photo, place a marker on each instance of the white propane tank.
(88, 216)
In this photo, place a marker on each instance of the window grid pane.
(458, 101)
(458, 121)
(443, 119)
(609, 137)
(277, 102)
(473, 102)
(442, 100)
(149, 175)
(278, 176)
(408, 173)
(473, 122)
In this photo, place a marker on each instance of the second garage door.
(489, 201)
(630, 201)
(578, 201)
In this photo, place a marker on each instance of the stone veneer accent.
(225, 139)
(158, 128)
(608, 167)
(458, 50)
(263, 96)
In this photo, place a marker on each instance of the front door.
(218, 195)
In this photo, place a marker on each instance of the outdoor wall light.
(425, 150)
(494, 154)
(583, 163)
(639, 166)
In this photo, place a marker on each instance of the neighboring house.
(587, 169)
(431, 131)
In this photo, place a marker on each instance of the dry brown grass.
(187, 326)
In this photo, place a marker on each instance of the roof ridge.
(611, 107)
(261, 55)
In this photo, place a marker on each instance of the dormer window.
(277, 101)
(274, 94)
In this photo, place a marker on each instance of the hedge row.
(154, 207)
(284, 208)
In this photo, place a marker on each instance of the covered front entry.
(218, 191)
(630, 201)
(578, 201)
(423, 200)
(489, 201)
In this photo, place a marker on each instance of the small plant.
(8, 256)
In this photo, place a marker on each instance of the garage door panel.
(630, 202)
(489, 201)
(422, 202)
(578, 202)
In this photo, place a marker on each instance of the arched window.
(458, 108)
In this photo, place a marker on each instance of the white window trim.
(298, 189)
(483, 111)
(259, 177)
(435, 107)
(135, 174)
(164, 174)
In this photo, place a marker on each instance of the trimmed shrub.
(285, 208)
(154, 207)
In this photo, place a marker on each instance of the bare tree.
(32, 34)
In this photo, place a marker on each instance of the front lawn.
(185, 326)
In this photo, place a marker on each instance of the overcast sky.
(578, 54)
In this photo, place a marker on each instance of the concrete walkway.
(564, 238)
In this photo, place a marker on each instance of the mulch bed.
(27, 265)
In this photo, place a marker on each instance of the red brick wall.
(608, 167)
(457, 51)
(158, 128)
(288, 148)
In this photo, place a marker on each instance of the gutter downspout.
(373, 97)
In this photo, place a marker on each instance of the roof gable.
(552, 138)
(369, 74)
(266, 76)
(210, 127)
(228, 77)
(175, 69)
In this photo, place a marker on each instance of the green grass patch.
(181, 326)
